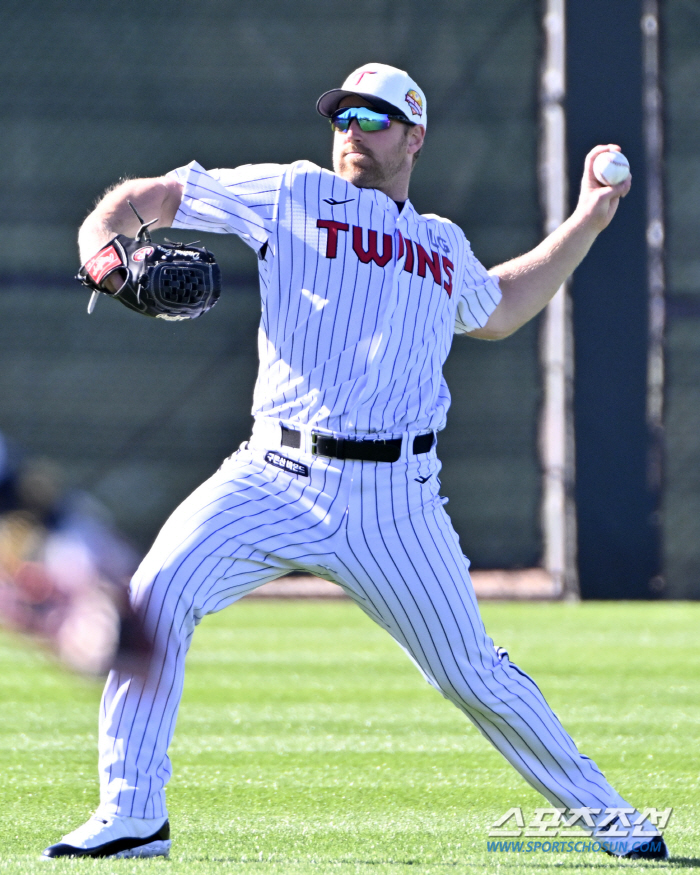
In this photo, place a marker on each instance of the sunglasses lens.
(373, 121)
(367, 119)
(340, 123)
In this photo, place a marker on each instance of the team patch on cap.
(414, 100)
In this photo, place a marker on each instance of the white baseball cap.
(386, 88)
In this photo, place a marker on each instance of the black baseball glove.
(165, 280)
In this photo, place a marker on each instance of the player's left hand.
(598, 203)
(165, 280)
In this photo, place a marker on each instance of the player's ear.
(416, 136)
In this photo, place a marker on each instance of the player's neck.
(396, 190)
(399, 195)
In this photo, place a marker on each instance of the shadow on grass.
(334, 864)
(532, 864)
(675, 862)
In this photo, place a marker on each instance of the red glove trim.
(104, 262)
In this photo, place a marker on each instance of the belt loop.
(423, 443)
(340, 448)
(290, 437)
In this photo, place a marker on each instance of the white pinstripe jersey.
(359, 302)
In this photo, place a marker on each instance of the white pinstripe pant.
(386, 539)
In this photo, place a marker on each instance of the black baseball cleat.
(653, 848)
(114, 836)
(648, 849)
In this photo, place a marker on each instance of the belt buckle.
(334, 448)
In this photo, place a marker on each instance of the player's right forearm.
(157, 198)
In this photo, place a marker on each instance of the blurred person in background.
(64, 568)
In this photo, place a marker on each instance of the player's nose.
(354, 132)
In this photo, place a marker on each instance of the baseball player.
(361, 297)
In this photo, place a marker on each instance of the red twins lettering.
(417, 257)
(333, 228)
(371, 253)
(424, 260)
(408, 263)
(448, 267)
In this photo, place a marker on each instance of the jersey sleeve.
(240, 201)
(479, 295)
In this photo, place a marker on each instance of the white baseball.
(611, 168)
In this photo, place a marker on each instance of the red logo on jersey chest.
(417, 258)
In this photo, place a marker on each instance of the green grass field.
(308, 743)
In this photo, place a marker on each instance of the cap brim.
(329, 102)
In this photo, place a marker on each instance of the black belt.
(360, 450)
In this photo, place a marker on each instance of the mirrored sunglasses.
(367, 119)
